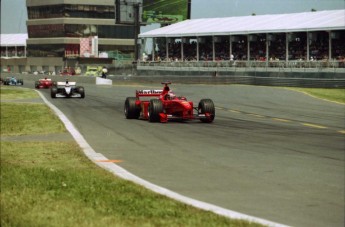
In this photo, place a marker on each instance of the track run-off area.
(272, 153)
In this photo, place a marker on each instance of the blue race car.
(13, 81)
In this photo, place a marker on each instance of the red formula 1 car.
(164, 105)
(68, 72)
(44, 83)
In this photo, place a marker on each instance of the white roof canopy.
(13, 39)
(277, 23)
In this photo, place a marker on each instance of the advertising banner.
(165, 11)
(89, 47)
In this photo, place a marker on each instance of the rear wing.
(148, 93)
(69, 84)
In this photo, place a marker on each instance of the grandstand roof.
(13, 39)
(276, 23)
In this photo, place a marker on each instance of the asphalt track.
(272, 153)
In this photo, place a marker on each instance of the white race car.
(67, 90)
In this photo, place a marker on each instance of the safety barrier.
(275, 66)
(245, 78)
(102, 81)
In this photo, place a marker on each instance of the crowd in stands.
(297, 46)
(13, 52)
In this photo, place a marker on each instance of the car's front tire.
(53, 92)
(207, 106)
(81, 91)
(155, 108)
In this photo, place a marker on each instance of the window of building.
(42, 50)
(71, 50)
(38, 12)
(46, 31)
(81, 30)
(77, 11)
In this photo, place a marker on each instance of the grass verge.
(10, 93)
(336, 95)
(24, 119)
(54, 184)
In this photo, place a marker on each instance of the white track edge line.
(121, 172)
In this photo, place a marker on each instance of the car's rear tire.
(37, 84)
(131, 110)
(207, 106)
(53, 92)
(155, 108)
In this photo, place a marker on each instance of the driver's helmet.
(171, 95)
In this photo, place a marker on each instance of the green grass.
(17, 93)
(54, 184)
(337, 95)
(24, 119)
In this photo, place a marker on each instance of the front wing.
(63, 95)
(167, 117)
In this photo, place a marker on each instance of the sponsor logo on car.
(149, 92)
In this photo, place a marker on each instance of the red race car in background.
(68, 72)
(164, 105)
(44, 83)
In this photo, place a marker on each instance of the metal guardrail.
(195, 79)
(301, 66)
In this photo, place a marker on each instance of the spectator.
(104, 72)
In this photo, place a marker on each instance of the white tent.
(277, 23)
(13, 39)
(13, 45)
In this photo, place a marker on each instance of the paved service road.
(272, 153)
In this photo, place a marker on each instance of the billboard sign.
(89, 47)
(165, 11)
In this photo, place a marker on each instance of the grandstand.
(284, 41)
(13, 45)
(13, 51)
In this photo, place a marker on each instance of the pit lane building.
(308, 40)
(58, 28)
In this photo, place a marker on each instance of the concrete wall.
(19, 65)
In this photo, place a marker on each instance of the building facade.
(58, 28)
